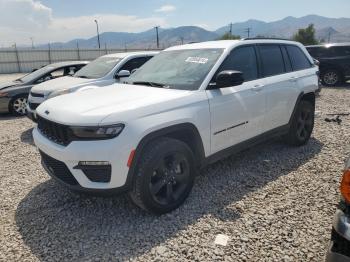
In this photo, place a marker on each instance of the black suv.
(334, 62)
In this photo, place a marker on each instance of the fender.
(300, 97)
(174, 131)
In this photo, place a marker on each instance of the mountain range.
(335, 29)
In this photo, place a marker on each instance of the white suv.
(187, 107)
(103, 71)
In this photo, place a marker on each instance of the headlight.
(3, 94)
(59, 93)
(98, 132)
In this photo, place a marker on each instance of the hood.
(17, 88)
(118, 102)
(9, 84)
(60, 83)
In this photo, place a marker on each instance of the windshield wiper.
(147, 83)
(81, 76)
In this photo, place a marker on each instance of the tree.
(306, 36)
(228, 36)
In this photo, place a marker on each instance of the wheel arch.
(185, 132)
(15, 97)
(326, 67)
(310, 97)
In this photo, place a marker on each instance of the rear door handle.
(293, 78)
(258, 87)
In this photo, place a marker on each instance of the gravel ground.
(274, 202)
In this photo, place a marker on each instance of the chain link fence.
(26, 60)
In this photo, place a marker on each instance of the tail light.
(345, 184)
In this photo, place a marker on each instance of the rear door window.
(341, 50)
(271, 60)
(298, 58)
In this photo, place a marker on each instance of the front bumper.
(31, 114)
(4, 104)
(339, 250)
(115, 151)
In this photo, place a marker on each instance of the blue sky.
(212, 13)
(62, 20)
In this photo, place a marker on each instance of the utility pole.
(31, 39)
(17, 58)
(157, 28)
(49, 53)
(78, 51)
(182, 40)
(230, 29)
(98, 35)
(329, 36)
(248, 30)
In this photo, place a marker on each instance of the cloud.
(166, 9)
(24, 14)
(22, 19)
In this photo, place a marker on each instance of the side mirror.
(316, 62)
(123, 73)
(229, 78)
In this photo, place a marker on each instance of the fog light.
(94, 163)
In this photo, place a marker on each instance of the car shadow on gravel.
(345, 85)
(7, 116)
(27, 137)
(59, 225)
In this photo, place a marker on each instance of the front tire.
(164, 176)
(18, 105)
(302, 124)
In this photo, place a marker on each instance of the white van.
(103, 71)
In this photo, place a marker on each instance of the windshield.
(36, 74)
(178, 69)
(98, 68)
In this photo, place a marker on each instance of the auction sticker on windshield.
(198, 60)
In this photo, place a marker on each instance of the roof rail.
(266, 38)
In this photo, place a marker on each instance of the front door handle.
(258, 87)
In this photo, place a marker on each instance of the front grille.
(33, 106)
(36, 94)
(58, 133)
(58, 169)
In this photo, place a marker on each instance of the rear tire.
(18, 105)
(302, 124)
(164, 176)
(331, 77)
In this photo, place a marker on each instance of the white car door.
(237, 112)
(281, 88)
